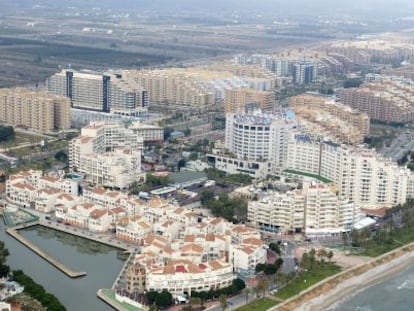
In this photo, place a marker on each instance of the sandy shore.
(358, 283)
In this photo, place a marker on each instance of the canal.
(102, 264)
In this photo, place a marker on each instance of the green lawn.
(258, 305)
(318, 177)
(307, 279)
(399, 237)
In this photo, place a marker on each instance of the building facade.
(360, 174)
(316, 209)
(108, 154)
(36, 110)
(235, 100)
(106, 92)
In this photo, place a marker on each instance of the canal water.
(102, 264)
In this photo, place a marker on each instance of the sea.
(395, 293)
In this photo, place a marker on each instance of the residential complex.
(36, 110)
(301, 65)
(360, 174)
(384, 48)
(108, 154)
(180, 251)
(256, 142)
(235, 100)
(198, 87)
(108, 92)
(384, 100)
(316, 209)
(331, 119)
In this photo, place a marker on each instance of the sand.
(358, 283)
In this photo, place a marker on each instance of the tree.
(223, 302)
(355, 238)
(164, 299)
(305, 263)
(330, 255)
(167, 132)
(61, 156)
(322, 253)
(345, 238)
(354, 82)
(6, 133)
(275, 247)
(187, 132)
(206, 196)
(153, 307)
(181, 163)
(239, 284)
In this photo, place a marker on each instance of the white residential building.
(360, 174)
(316, 209)
(247, 255)
(256, 143)
(108, 154)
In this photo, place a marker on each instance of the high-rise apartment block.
(304, 72)
(332, 119)
(384, 100)
(235, 100)
(100, 92)
(360, 174)
(36, 110)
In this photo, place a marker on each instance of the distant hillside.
(296, 7)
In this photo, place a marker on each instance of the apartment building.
(304, 72)
(383, 100)
(235, 100)
(332, 119)
(175, 86)
(315, 210)
(149, 133)
(383, 48)
(37, 110)
(108, 154)
(42, 192)
(255, 144)
(360, 174)
(108, 92)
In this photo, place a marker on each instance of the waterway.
(394, 293)
(102, 264)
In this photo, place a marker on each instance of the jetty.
(53, 261)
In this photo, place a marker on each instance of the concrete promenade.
(15, 234)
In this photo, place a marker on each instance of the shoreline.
(358, 283)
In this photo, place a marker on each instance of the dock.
(53, 261)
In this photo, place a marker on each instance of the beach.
(358, 283)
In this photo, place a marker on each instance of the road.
(288, 255)
(235, 302)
